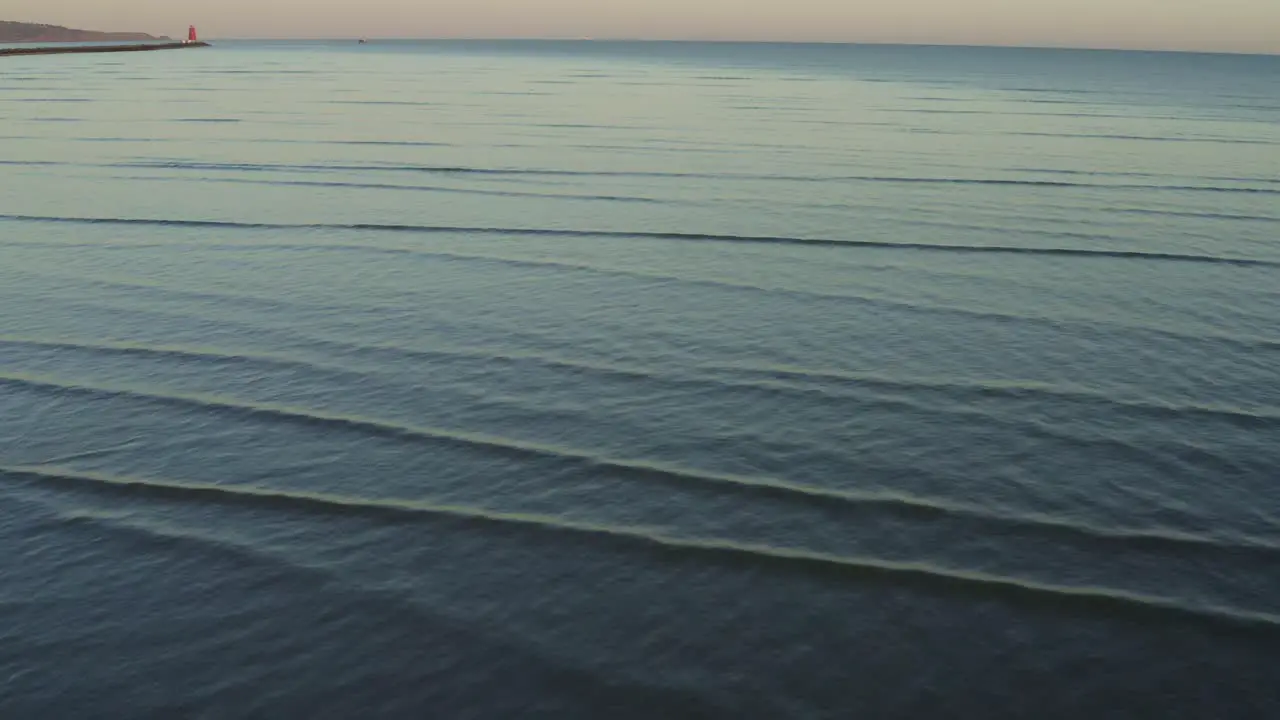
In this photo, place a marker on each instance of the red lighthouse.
(191, 35)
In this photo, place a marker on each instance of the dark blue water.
(491, 380)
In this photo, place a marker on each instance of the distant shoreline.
(23, 32)
(73, 49)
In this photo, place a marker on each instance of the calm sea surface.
(494, 380)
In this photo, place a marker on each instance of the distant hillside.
(16, 32)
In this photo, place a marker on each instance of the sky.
(1211, 25)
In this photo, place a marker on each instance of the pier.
(68, 49)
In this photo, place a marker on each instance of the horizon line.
(723, 41)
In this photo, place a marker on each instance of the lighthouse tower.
(191, 35)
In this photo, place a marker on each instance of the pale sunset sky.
(1226, 25)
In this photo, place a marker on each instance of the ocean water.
(592, 379)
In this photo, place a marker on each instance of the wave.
(417, 188)
(388, 143)
(1089, 325)
(1197, 215)
(165, 223)
(1170, 457)
(922, 575)
(257, 72)
(50, 99)
(407, 103)
(1251, 344)
(437, 170)
(1036, 390)
(1146, 138)
(163, 352)
(386, 602)
(1254, 419)
(1134, 174)
(709, 237)
(258, 302)
(261, 141)
(744, 375)
(541, 264)
(1171, 460)
(32, 163)
(1248, 343)
(1062, 184)
(896, 503)
(107, 139)
(554, 172)
(1108, 235)
(1009, 113)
